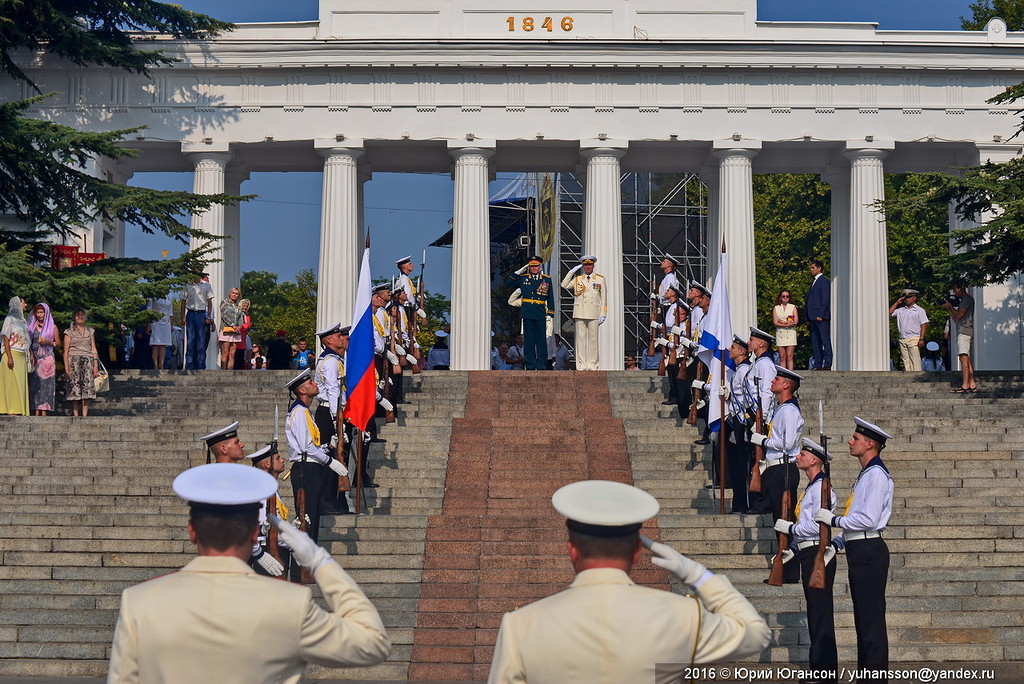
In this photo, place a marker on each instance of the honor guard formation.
(603, 627)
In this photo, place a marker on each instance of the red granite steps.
(498, 544)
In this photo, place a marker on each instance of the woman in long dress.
(160, 330)
(42, 381)
(14, 367)
(81, 363)
(785, 318)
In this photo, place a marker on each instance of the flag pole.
(721, 429)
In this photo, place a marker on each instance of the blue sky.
(408, 211)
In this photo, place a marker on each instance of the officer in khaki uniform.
(589, 309)
(604, 628)
(216, 620)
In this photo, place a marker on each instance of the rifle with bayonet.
(818, 578)
(775, 579)
(272, 545)
(416, 307)
(755, 471)
(687, 352)
(652, 345)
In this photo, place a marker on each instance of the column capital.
(205, 149)
(332, 146)
(996, 152)
(236, 173)
(868, 149)
(835, 175)
(735, 148)
(464, 148)
(603, 148)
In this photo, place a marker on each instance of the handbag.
(101, 381)
(228, 330)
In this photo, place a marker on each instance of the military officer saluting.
(538, 304)
(781, 445)
(866, 516)
(605, 628)
(186, 626)
(804, 535)
(223, 446)
(307, 454)
(589, 309)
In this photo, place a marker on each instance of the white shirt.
(198, 296)
(741, 387)
(670, 280)
(561, 357)
(909, 320)
(787, 429)
(330, 378)
(806, 527)
(764, 371)
(300, 439)
(381, 330)
(871, 507)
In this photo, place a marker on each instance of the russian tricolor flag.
(360, 374)
(715, 340)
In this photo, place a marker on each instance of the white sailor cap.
(816, 449)
(783, 372)
(669, 257)
(700, 288)
(871, 431)
(588, 259)
(381, 288)
(761, 334)
(404, 260)
(224, 487)
(907, 292)
(336, 328)
(265, 452)
(299, 379)
(932, 346)
(440, 333)
(604, 509)
(736, 339)
(224, 433)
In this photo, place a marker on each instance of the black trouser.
(328, 429)
(351, 430)
(773, 485)
(737, 463)
(308, 477)
(868, 561)
(820, 616)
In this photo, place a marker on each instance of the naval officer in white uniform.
(589, 309)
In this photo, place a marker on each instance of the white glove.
(701, 404)
(788, 555)
(348, 440)
(269, 563)
(401, 350)
(692, 360)
(522, 270)
(304, 549)
(677, 330)
(421, 313)
(660, 342)
(392, 358)
(334, 442)
(694, 345)
(385, 404)
(824, 516)
(411, 359)
(725, 391)
(338, 467)
(697, 385)
(830, 553)
(654, 296)
(575, 268)
(757, 439)
(655, 325)
(601, 320)
(688, 571)
(784, 526)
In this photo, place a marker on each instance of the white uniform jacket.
(330, 377)
(590, 297)
(216, 620)
(604, 629)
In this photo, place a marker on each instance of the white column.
(713, 240)
(838, 179)
(210, 161)
(471, 258)
(869, 264)
(341, 238)
(736, 221)
(602, 237)
(234, 176)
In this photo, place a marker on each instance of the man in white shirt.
(911, 322)
(197, 312)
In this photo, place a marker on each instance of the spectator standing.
(911, 324)
(303, 357)
(14, 368)
(81, 363)
(503, 362)
(279, 353)
(197, 312)
(963, 318)
(819, 318)
(160, 330)
(42, 380)
(631, 363)
(932, 361)
(516, 354)
(561, 354)
(257, 355)
(786, 318)
(244, 351)
(231, 320)
(439, 356)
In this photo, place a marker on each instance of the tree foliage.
(273, 306)
(983, 11)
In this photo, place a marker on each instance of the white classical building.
(593, 87)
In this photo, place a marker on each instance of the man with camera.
(911, 322)
(960, 306)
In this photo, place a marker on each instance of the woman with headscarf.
(81, 362)
(42, 381)
(14, 367)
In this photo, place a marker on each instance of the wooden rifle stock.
(818, 578)
(673, 355)
(775, 578)
(654, 319)
(692, 418)
(681, 371)
(755, 471)
(414, 347)
(344, 481)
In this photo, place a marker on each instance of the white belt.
(774, 461)
(867, 534)
(806, 544)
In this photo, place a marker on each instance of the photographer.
(911, 323)
(960, 306)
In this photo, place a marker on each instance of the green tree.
(273, 306)
(983, 11)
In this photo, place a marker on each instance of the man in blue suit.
(819, 317)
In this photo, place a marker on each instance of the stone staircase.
(88, 509)
(956, 587)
